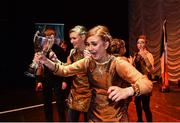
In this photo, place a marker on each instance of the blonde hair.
(79, 29)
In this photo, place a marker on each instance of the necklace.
(105, 62)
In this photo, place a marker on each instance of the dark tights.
(73, 115)
(143, 100)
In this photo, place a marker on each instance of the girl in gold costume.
(105, 74)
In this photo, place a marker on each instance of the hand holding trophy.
(41, 46)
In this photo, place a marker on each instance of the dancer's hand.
(116, 93)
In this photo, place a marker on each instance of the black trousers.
(143, 103)
(73, 115)
(50, 89)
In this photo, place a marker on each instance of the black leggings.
(73, 115)
(143, 100)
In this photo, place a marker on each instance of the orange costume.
(103, 75)
(80, 93)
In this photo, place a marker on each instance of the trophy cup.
(41, 45)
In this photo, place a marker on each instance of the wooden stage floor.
(25, 105)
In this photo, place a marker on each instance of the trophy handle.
(36, 35)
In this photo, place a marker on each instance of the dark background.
(17, 29)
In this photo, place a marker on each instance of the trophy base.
(29, 74)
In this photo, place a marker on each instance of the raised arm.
(63, 70)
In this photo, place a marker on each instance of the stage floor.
(25, 105)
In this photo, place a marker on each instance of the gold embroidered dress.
(103, 75)
(80, 93)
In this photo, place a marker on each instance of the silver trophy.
(41, 45)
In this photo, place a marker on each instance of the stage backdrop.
(146, 17)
